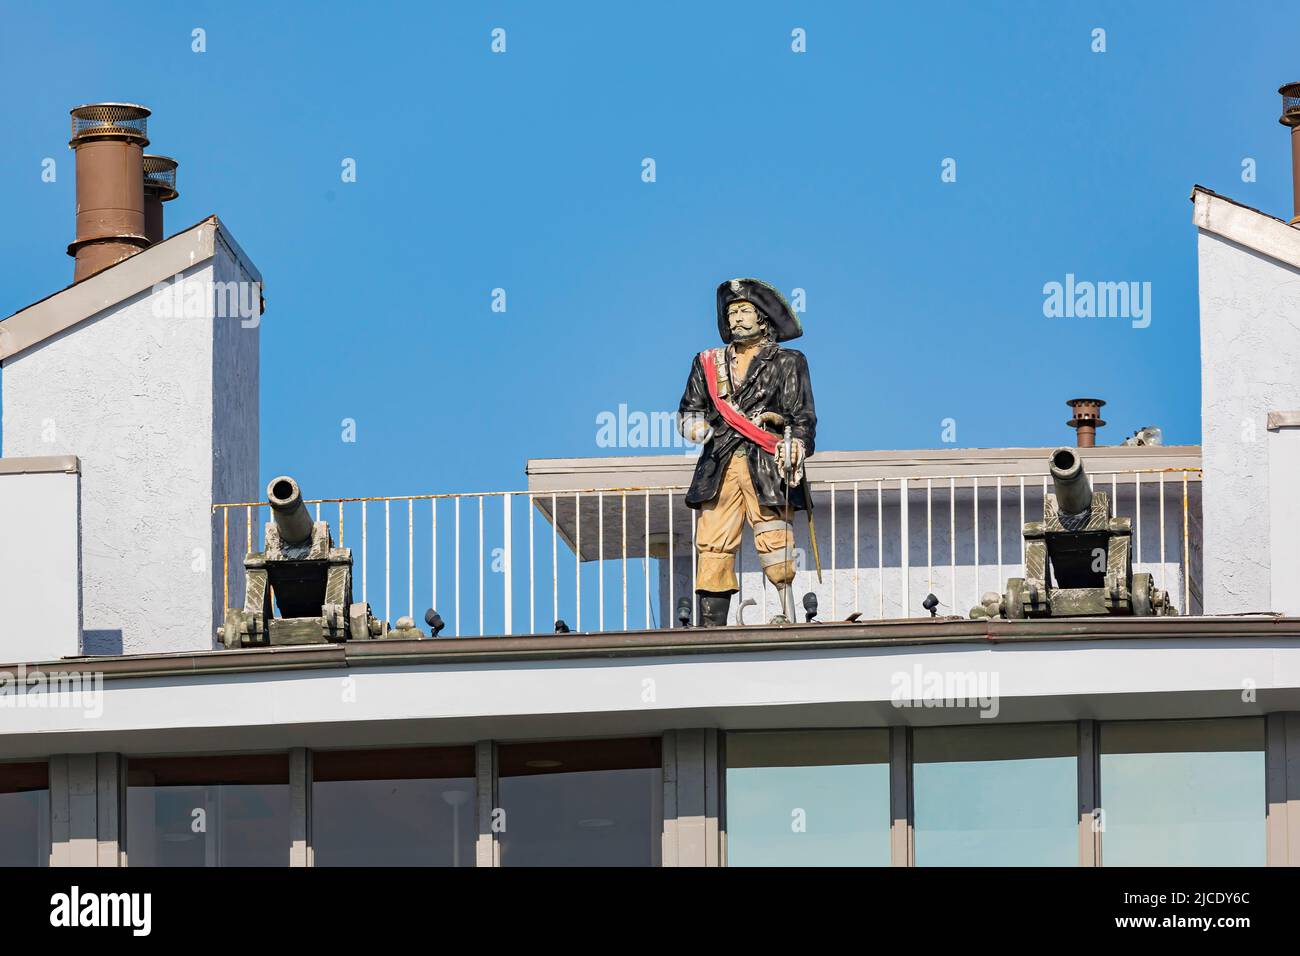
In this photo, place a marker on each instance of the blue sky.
(522, 171)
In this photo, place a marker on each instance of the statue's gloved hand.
(794, 469)
(695, 429)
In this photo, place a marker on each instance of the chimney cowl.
(1290, 104)
(160, 175)
(128, 121)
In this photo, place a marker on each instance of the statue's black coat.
(777, 381)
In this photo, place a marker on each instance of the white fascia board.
(521, 699)
(116, 284)
(1247, 227)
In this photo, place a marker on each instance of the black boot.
(713, 608)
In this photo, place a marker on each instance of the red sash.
(730, 414)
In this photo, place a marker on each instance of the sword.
(775, 418)
(812, 528)
(789, 474)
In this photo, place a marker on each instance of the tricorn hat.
(771, 303)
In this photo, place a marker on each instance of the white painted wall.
(1250, 365)
(1284, 517)
(40, 572)
(235, 435)
(162, 413)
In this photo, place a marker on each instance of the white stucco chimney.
(1249, 285)
(142, 371)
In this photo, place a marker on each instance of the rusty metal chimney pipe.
(109, 141)
(159, 187)
(1291, 117)
(1086, 420)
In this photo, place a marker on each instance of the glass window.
(808, 798)
(410, 807)
(1183, 793)
(996, 796)
(24, 814)
(208, 811)
(580, 803)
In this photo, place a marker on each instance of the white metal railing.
(621, 559)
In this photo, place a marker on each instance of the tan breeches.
(721, 522)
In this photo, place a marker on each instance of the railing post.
(929, 532)
(1137, 521)
(997, 502)
(480, 566)
(532, 573)
(433, 545)
(835, 607)
(577, 561)
(857, 574)
(388, 563)
(410, 557)
(904, 550)
(672, 605)
(952, 542)
(880, 545)
(456, 555)
(225, 555)
(645, 561)
(555, 567)
(624, 546)
(600, 559)
(975, 508)
(507, 566)
(1187, 560)
(1163, 585)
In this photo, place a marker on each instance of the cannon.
(1078, 559)
(304, 576)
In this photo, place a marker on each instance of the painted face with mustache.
(745, 322)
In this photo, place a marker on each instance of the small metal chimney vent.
(1086, 420)
(1291, 117)
(111, 120)
(159, 187)
(160, 174)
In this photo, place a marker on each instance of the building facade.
(571, 714)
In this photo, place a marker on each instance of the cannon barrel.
(288, 510)
(1073, 491)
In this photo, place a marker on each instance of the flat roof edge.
(662, 642)
(538, 466)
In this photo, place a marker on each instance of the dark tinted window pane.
(24, 815)
(1183, 793)
(411, 807)
(581, 803)
(808, 798)
(208, 811)
(996, 796)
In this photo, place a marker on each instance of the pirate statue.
(751, 404)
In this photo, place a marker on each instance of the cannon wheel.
(1141, 595)
(1014, 602)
